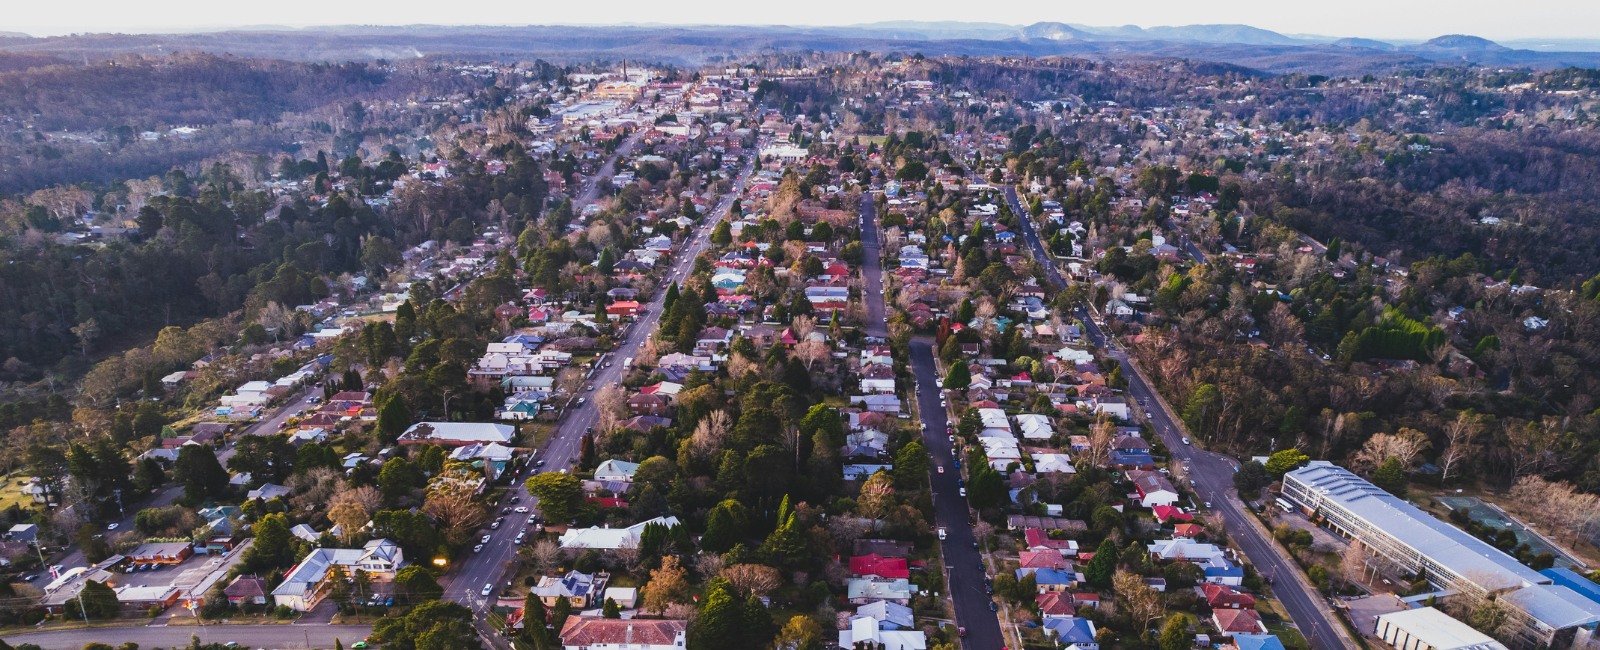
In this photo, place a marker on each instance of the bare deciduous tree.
(1461, 436)
(753, 579)
(1141, 602)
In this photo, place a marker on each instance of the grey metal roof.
(1446, 545)
(1555, 605)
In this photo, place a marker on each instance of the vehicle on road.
(521, 510)
(533, 519)
(942, 532)
(962, 631)
(1208, 505)
(952, 437)
(477, 549)
(580, 401)
(484, 540)
(591, 387)
(993, 606)
(539, 464)
(941, 469)
(963, 492)
(112, 526)
(487, 589)
(1186, 441)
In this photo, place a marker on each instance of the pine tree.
(959, 377)
(1103, 565)
(611, 609)
(393, 419)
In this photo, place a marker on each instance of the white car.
(488, 588)
(1186, 441)
(477, 549)
(521, 510)
(963, 492)
(484, 540)
(112, 526)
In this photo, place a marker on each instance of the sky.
(1393, 19)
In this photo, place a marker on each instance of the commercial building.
(308, 583)
(1430, 629)
(1541, 613)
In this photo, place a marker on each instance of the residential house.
(615, 470)
(455, 434)
(1223, 596)
(1270, 642)
(1047, 559)
(250, 589)
(605, 539)
(647, 404)
(1237, 621)
(598, 633)
(877, 378)
(861, 591)
(1037, 540)
(269, 492)
(306, 585)
(1072, 632)
(578, 588)
(867, 630)
(1154, 489)
(879, 567)
(1053, 580)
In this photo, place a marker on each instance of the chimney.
(629, 639)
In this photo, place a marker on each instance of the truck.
(627, 363)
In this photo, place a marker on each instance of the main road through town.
(964, 565)
(1212, 476)
(487, 569)
(179, 636)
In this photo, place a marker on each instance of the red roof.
(1036, 538)
(984, 404)
(1054, 603)
(1163, 513)
(1223, 596)
(1237, 621)
(1188, 530)
(1048, 559)
(608, 502)
(878, 565)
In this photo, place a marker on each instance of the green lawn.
(1290, 637)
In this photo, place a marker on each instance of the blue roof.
(1257, 642)
(1571, 580)
(1071, 629)
(1229, 571)
(1054, 577)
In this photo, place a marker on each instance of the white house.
(615, 470)
(610, 538)
(303, 587)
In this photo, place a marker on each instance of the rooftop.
(1437, 629)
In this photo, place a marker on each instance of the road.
(1212, 474)
(872, 268)
(1031, 234)
(964, 564)
(591, 187)
(963, 570)
(488, 566)
(248, 636)
(167, 495)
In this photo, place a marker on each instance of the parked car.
(484, 540)
(477, 549)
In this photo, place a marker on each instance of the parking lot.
(194, 575)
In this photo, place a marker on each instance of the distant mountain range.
(1241, 45)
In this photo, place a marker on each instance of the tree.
(1461, 436)
(753, 579)
(350, 517)
(419, 584)
(610, 609)
(668, 584)
(959, 377)
(1175, 634)
(823, 418)
(726, 525)
(200, 473)
(1103, 566)
(559, 494)
(1136, 598)
(1285, 461)
(271, 548)
(986, 488)
(911, 466)
(433, 625)
(393, 419)
(800, 633)
(1391, 476)
(98, 600)
(722, 235)
(1251, 477)
(721, 624)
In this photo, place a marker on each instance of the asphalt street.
(476, 570)
(1212, 475)
(965, 567)
(247, 636)
(872, 268)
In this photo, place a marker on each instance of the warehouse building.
(1430, 629)
(1541, 613)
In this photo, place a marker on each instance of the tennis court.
(1492, 516)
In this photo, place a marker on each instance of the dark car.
(994, 606)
